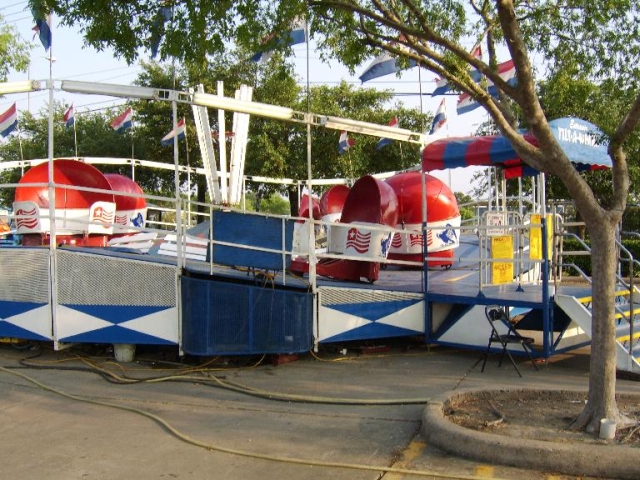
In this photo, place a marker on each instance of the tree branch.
(628, 124)
(619, 158)
(527, 97)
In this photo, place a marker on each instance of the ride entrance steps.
(627, 318)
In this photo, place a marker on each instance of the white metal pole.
(179, 237)
(222, 145)
(174, 108)
(311, 258)
(53, 267)
(75, 136)
(312, 239)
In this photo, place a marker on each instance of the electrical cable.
(27, 362)
(208, 446)
(185, 375)
(207, 379)
(256, 392)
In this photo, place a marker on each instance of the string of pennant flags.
(385, 64)
(439, 120)
(298, 33)
(121, 123)
(124, 121)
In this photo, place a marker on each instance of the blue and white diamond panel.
(25, 320)
(25, 310)
(149, 325)
(144, 325)
(110, 299)
(361, 314)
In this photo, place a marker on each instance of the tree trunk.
(601, 401)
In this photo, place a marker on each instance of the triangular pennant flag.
(345, 143)
(69, 117)
(178, 133)
(123, 121)
(8, 120)
(386, 141)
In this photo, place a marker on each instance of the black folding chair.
(497, 315)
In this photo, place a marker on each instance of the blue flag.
(297, 34)
(43, 28)
(163, 16)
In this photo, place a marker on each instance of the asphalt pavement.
(78, 414)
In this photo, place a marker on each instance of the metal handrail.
(628, 284)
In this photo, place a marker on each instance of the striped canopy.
(581, 141)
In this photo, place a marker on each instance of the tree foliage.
(568, 92)
(273, 203)
(465, 203)
(95, 138)
(279, 150)
(14, 52)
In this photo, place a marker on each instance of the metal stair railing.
(628, 291)
(631, 285)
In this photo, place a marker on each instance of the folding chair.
(497, 315)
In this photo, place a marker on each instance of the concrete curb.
(570, 459)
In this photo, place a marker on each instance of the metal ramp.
(627, 325)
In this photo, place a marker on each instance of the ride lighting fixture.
(242, 106)
(19, 87)
(127, 91)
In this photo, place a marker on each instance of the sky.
(74, 61)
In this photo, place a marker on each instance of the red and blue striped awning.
(487, 151)
(580, 140)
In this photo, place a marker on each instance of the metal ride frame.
(217, 101)
(431, 328)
